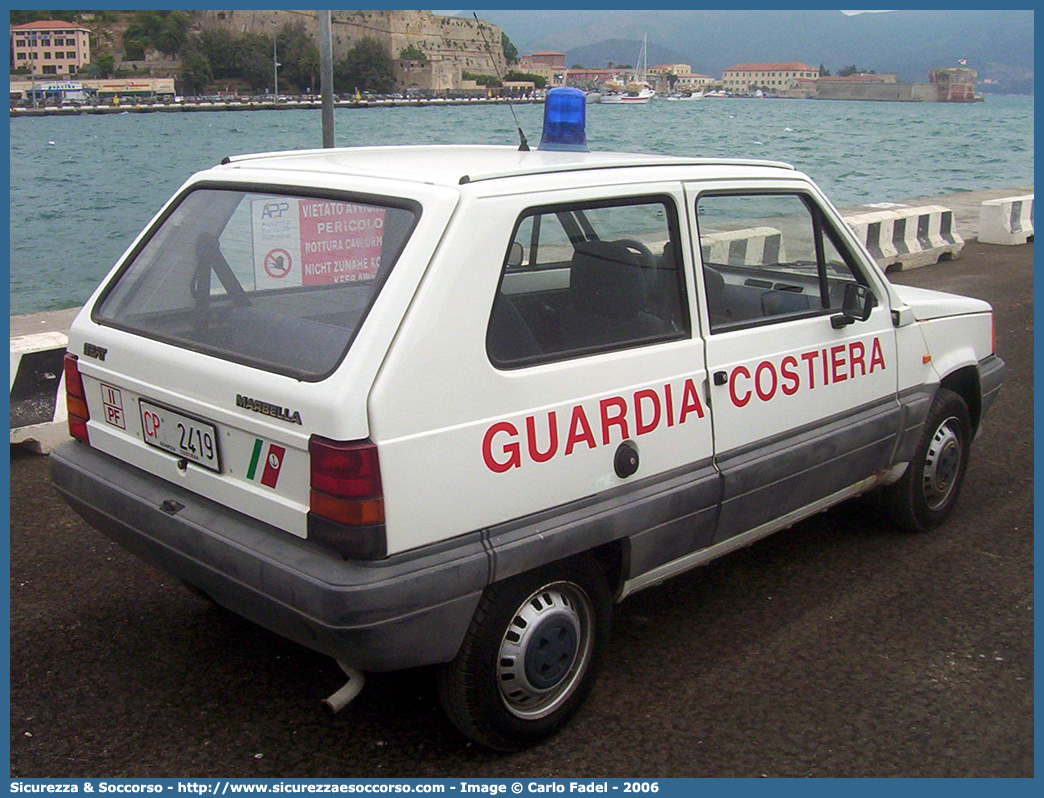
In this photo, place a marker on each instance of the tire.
(530, 656)
(925, 495)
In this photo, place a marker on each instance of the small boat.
(637, 92)
(637, 97)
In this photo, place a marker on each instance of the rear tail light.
(346, 503)
(76, 400)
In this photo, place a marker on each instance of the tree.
(172, 33)
(847, 71)
(537, 80)
(366, 67)
(299, 57)
(133, 49)
(510, 51)
(223, 50)
(412, 53)
(672, 80)
(196, 73)
(103, 65)
(823, 71)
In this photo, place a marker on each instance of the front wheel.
(926, 494)
(530, 655)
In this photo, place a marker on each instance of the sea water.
(82, 187)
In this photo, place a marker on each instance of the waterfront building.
(548, 64)
(591, 78)
(773, 77)
(92, 88)
(954, 84)
(946, 85)
(451, 45)
(549, 58)
(691, 82)
(50, 47)
(670, 69)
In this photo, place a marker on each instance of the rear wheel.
(530, 655)
(926, 494)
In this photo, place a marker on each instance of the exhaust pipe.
(346, 694)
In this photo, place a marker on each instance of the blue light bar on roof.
(565, 120)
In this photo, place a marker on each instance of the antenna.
(523, 144)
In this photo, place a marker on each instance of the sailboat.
(638, 92)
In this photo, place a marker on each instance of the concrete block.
(752, 246)
(38, 413)
(906, 238)
(1007, 221)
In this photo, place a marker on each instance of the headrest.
(606, 278)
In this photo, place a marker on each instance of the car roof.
(453, 165)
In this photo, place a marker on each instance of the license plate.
(180, 435)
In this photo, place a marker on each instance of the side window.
(768, 257)
(582, 279)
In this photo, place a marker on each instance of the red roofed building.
(774, 77)
(544, 58)
(50, 47)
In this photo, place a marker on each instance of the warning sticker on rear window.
(303, 242)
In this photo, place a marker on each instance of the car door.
(803, 408)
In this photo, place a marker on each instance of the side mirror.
(515, 255)
(856, 306)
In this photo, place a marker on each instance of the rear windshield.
(278, 281)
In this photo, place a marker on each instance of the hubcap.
(545, 651)
(942, 464)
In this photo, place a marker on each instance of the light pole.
(275, 64)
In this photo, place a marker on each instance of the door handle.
(721, 377)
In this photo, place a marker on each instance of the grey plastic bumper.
(406, 611)
(991, 375)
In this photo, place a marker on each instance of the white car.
(445, 405)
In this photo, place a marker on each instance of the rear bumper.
(406, 611)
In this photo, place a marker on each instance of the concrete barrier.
(1007, 221)
(38, 414)
(906, 238)
(752, 246)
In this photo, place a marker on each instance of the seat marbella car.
(443, 406)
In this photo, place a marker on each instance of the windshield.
(279, 281)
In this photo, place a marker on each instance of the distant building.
(949, 85)
(451, 45)
(548, 58)
(670, 69)
(549, 65)
(860, 77)
(688, 81)
(591, 78)
(91, 88)
(50, 47)
(774, 77)
(954, 84)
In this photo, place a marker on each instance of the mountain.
(999, 44)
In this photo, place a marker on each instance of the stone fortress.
(451, 45)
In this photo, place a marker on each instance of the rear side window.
(279, 281)
(583, 279)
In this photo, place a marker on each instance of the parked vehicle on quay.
(444, 406)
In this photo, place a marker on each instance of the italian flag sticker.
(272, 463)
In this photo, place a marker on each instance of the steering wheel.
(647, 260)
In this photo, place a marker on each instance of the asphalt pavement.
(839, 647)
